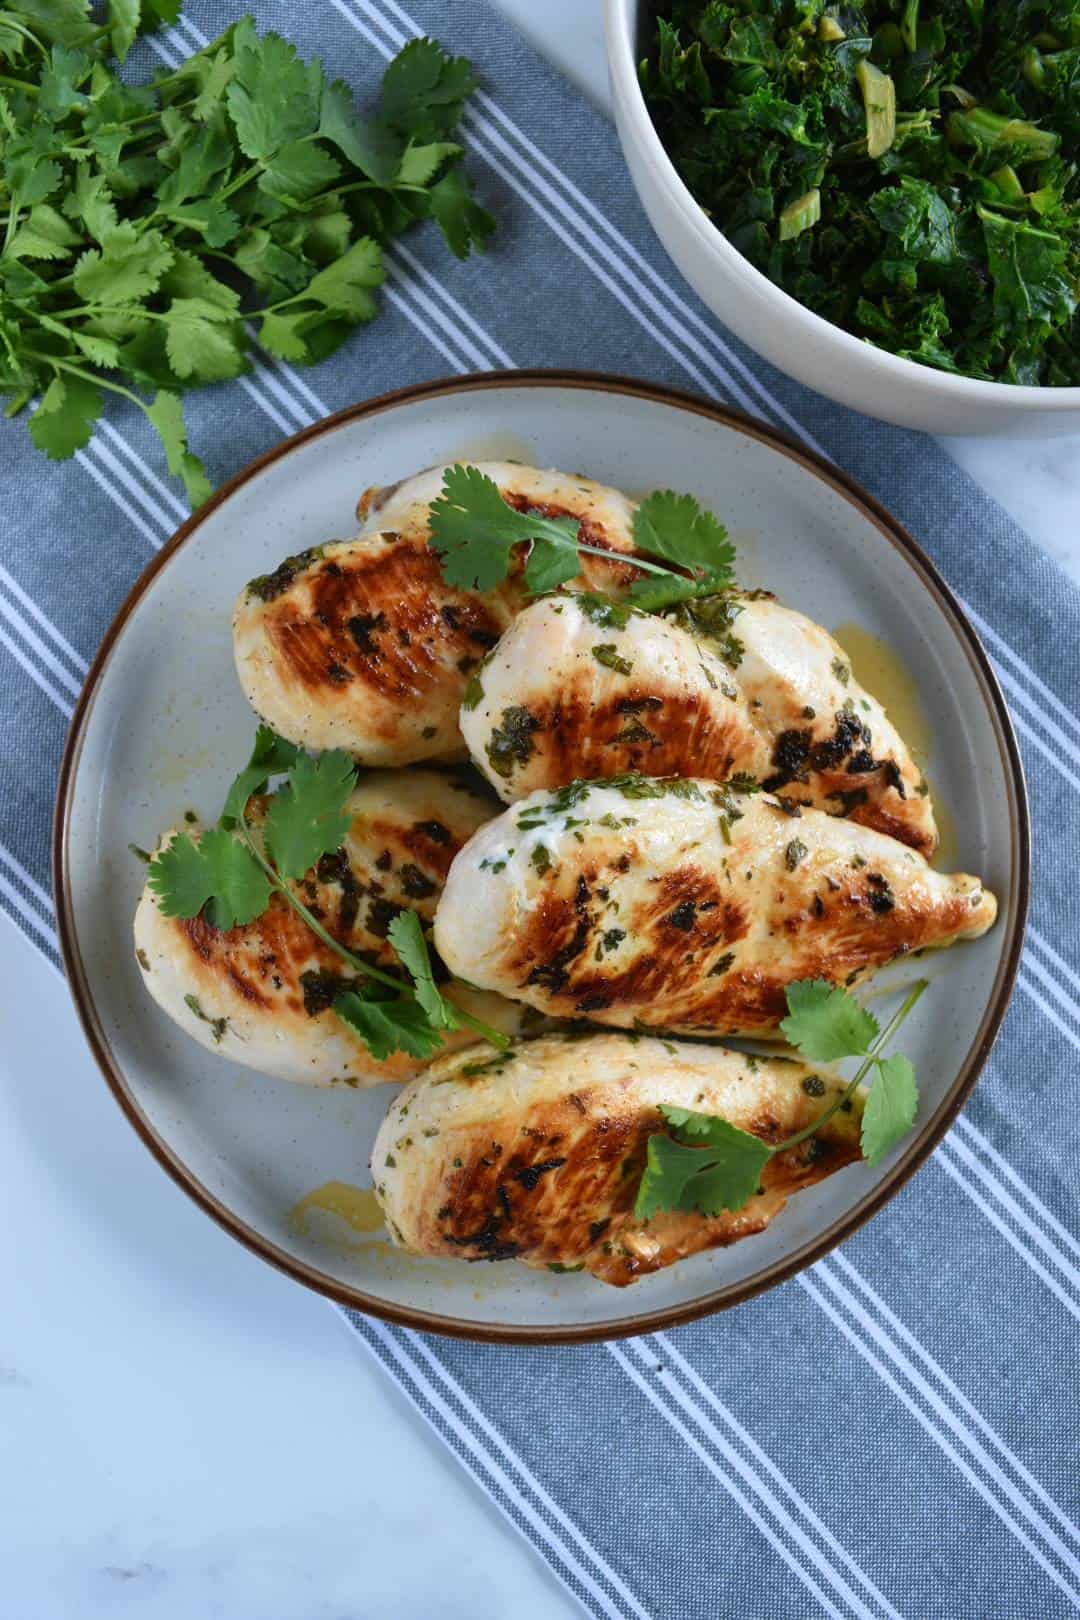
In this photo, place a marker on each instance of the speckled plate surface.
(162, 727)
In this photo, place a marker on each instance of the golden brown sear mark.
(573, 735)
(847, 774)
(381, 614)
(558, 1186)
(686, 919)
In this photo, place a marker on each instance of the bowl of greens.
(882, 198)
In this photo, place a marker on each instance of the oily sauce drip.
(355, 1206)
(877, 668)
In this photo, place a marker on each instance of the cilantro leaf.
(188, 277)
(890, 1108)
(297, 172)
(653, 594)
(551, 563)
(307, 818)
(424, 90)
(342, 289)
(167, 415)
(675, 528)
(283, 336)
(64, 421)
(274, 97)
(91, 201)
(45, 234)
(122, 201)
(385, 1027)
(217, 871)
(346, 286)
(67, 69)
(373, 148)
(271, 755)
(475, 531)
(407, 937)
(216, 223)
(124, 18)
(825, 1022)
(463, 222)
(420, 164)
(129, 266)
(275, 270)
(721, 1173)
(203, 341)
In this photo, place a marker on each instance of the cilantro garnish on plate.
(230, 877)
(683, 551)
(704, 1163)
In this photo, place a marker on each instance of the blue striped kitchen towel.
(893, 1433)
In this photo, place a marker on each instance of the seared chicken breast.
(261, 994)
(831, 743)
(581, 687)
(362, 645)
(606, 515)
(536, 1155)
(680, 905)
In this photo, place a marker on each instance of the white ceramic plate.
(162, 727)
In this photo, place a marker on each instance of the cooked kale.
(908, 171)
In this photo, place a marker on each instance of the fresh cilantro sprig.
(149, 233)
(475, 532)
(230, 877)
(705, 1163)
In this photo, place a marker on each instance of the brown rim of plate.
(1014, 920)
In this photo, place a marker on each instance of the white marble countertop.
(185, 1432)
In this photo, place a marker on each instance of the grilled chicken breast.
(606, 515)
(362, 645)
(261, 994)
(831, 743)
(578, 687)
(683, 906)
(536, 1155)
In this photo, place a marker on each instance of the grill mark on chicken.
(574, 735)
(688, 915)
(698, 918)
(375, 613)
(258, 960)
(502, 1205)
(831, 762)
(596, 571)
(490, 1187)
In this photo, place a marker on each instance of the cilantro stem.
(17, 27)
(13, 214)
(240, 182)
(357, 963)
(88, 376)
(20, 84)
(865, 1066)
(631, 559)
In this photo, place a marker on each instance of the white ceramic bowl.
(162, 725)
(776, 325)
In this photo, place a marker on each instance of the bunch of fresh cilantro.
(906, 168)
(150, 232)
